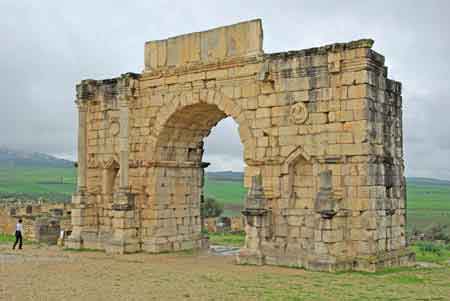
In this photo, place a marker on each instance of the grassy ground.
(431, 252)
(99, 276)
(10, 239)
(227, 239)
(5, 238)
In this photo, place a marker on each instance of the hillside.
(225, 175)
(11, 158)
(427, 181)
(16, 158)
(238, 176)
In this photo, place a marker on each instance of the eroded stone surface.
(303, 114)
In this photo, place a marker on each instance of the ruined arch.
(306, 120)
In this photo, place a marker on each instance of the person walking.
(19, 231)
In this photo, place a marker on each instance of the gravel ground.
(49, 273)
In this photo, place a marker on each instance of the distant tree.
(437, 231)
(211, 208)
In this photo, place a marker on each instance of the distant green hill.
(239, 176)
(15, 158)
(426, 181)
(225, 175)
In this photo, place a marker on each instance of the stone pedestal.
(78, 216)
(256, 227)
(257, 224)
(399, 258)
(125, 238)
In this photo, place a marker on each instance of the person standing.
(19, 231)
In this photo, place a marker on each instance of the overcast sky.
(47, 46)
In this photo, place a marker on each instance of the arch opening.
(181, 138)
(178, 179)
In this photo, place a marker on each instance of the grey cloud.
(46, 46)
(223, 147)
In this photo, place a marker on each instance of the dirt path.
(48, 273)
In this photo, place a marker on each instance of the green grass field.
(427, 204)
(226, 192)
(47, 183)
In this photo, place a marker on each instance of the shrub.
(430, 247)
(437, 232)
(211, 208)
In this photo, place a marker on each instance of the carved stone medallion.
(114, 128)
(299, 113)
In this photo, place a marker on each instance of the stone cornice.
(202, 67)
(322, 50)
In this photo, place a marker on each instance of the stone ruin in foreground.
(322, 136)
(42, 221)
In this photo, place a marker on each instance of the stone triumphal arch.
(322, 136)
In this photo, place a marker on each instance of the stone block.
(307, 233)
(263, 113)
(243, 39)
(321, 248)
(268, 100)
(318, 118)
(332, 235)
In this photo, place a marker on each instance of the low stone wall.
(42, 222)
(7, 221)
(224, 224)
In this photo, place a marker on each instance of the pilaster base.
(122, 246)
(162, 245)
(124, 239)
(399, 258)
(155, 246)
(79, 211)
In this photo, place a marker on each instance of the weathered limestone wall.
(321, 129)
(7, 220)
(352, 134)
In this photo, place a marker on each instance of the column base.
(124, 239)
(122, 247)
(163, 245)
(78, 219)
(157, 246)
(399, 258)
